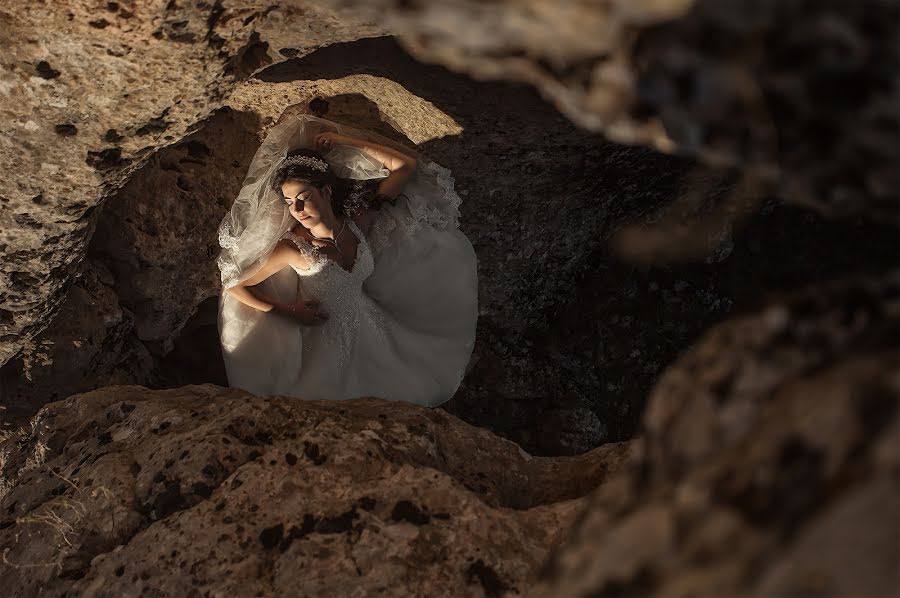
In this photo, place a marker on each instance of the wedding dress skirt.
(401, 322)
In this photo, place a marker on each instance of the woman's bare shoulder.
(288, 252)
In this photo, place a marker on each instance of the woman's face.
(306, 203)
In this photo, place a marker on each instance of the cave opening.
(571, 337)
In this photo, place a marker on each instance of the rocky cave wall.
(90, 91)
(149, 234)
(658, 76)
(768, 455)
(562, 362)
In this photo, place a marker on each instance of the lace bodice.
(339, 291)
(325, 277)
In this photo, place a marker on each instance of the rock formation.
(768, 466)
(154, 241)
(770, 463)
(201, 489)
(802, 95)
(767, 460)
(90, 94)
(554, 306)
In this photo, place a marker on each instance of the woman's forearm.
(255, 299)
(391, 158)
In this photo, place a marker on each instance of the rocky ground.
(202, 489)
(723, 296)
(768, 465)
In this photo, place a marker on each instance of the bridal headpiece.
(307, 161)
(258, 217)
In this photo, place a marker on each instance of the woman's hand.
(325, 142)
(306, 312)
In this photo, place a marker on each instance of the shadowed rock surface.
(570, 339)
(90, 91)
(209, 489)
(769, 463)
(801, 95)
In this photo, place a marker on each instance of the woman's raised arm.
(401, 165)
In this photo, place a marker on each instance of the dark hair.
(348, 195)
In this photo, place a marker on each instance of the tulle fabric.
(402, 323)
(259, 217)
(403, 331)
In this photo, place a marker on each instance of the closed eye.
(289, 201)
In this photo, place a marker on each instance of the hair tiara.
(307, 161)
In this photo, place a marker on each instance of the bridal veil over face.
(424, 273)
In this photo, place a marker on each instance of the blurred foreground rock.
(803, 96)
(125, 491)
(770, 463)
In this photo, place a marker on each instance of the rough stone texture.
(88, 345)
(804, 96)
(124, 491)
(89, 91)
(770, 458)
(570, 339)
(770, 463)
(157, 234)
(533, 379)
(671, 73)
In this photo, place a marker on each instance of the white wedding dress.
(401, 322)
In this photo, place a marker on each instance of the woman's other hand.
(326, 141)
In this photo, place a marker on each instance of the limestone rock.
(157, 234)
(88, 95)
(802, 95)
(769, 463)
(125, 490)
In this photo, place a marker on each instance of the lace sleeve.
(316, 260)
(430, 201)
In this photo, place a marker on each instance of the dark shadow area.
(539, 197)
(141, 309)
(571, 339)
(630, 322)
(197, 355)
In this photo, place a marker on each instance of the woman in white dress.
(344, 271)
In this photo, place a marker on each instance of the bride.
(344, 271)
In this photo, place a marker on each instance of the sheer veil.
(258, 218)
